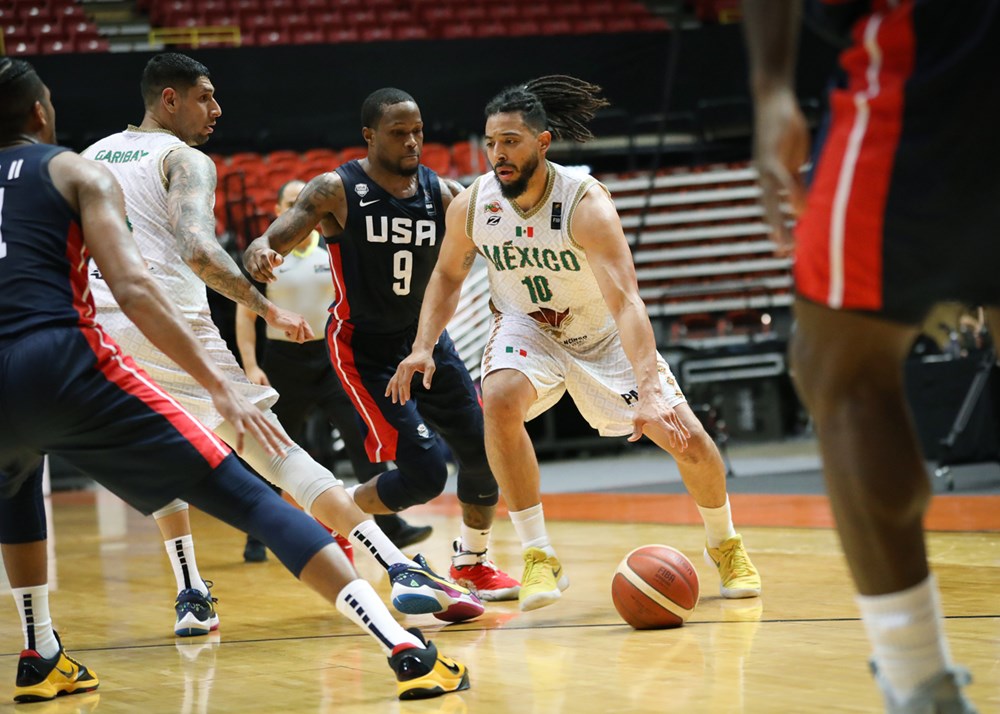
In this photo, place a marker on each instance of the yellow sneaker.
(422, 673)
(40, 679)
(739, 577)
(543, 580)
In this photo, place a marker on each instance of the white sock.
(360, 604)
(181, 554)
(369, 537)
(36, 623)
(529, 525)
(905, 629)
(475, 540)
(718, 523)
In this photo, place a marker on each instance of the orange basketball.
(655, 587)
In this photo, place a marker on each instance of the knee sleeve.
(420, 475)
(235, 496)
(22, 516)
(476, 483)
(175, 506)
(296, 472)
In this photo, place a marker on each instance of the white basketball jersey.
(303, 284)
(135, 157)
(535, 267)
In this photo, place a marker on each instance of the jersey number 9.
(402, 271)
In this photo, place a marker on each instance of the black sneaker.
(422, 673)
(254, 551)
(40, 679)
(401, 533)
(196, 613)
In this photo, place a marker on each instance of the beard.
(407, 170)
(510, 191)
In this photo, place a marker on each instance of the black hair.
(375, 105)
(558, 103)
(169, 69)
(20, 88)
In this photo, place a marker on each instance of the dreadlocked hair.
(558, 103)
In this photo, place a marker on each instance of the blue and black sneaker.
(418, 590)
(195, 612)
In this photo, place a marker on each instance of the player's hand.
(780, 148)
(260, 260)
(248, 419)
(399, 385)
(256, 375)
(653, 414)
(291, 323)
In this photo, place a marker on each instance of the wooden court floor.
(800, 648)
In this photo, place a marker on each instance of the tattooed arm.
(320, 202)
(190, 192)
(457, 255)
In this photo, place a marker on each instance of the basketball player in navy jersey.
(67, 389)
(301, 372)
(902, 214)
(383, 221)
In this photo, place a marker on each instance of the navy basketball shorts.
(70, 392)
(365, 363)
(903, 210)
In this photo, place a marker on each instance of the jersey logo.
(361, 189)
(368, 203)
(528, 232)
(493, 220)
(402, 231)
(555, 221)
(493, 207)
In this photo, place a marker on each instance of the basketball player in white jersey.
(568, 317)
(169, 191)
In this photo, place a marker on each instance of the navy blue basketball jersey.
(43, 261)
(383, 259)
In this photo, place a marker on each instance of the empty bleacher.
(32, 27)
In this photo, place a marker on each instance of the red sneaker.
(481, 575)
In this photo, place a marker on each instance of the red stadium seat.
(23, 47)
(469, 158)
(353, 152)
(376, 33)
(590, 26)
(272, 37)
(57, 47)
(308, 36)
(458, 31)
(524, 27)
(92, 44)
(411, 32)
(556, 27)
(316, 155)
(437, 157)
(342, 34)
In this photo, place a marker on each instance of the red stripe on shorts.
(840, 237)
(122, 371)
(382, 438)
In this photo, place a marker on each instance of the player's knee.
(478, 486)
(700, 447)
(417, 481)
